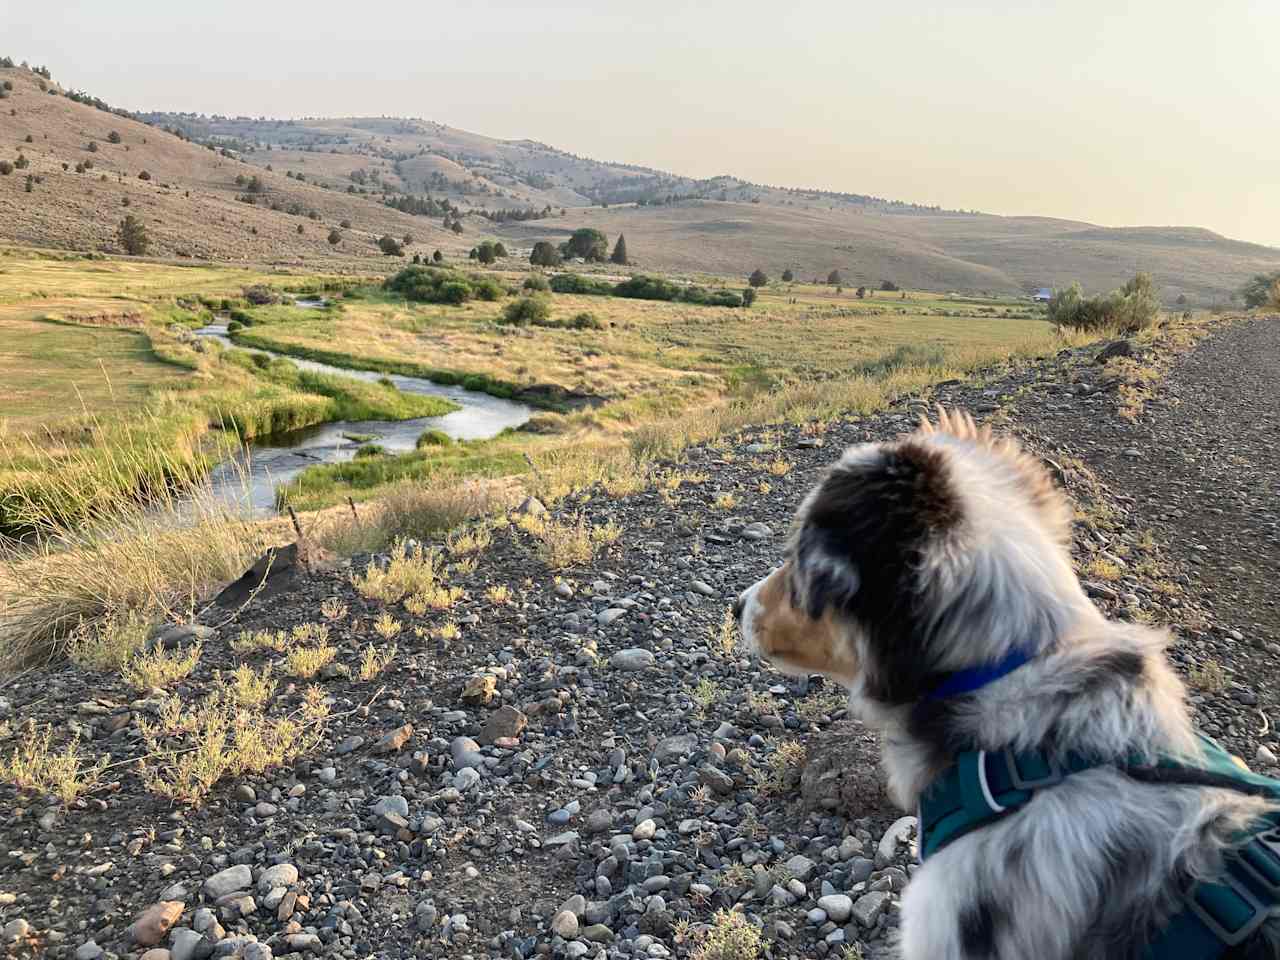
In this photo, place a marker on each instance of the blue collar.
(975, 678)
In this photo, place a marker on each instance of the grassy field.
(126, 403)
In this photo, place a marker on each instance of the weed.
(781, 769)
(255, 641)
(473, 539)
(306, 662)
(723, 639)
(1099, 568)
(779, 466)
(448, 632)
(568, 543)
(108, 643)
(159, 668)
(1208, 676)
(374, 662)
(386, 626)
(820, 704)
(731, 936)
(35, 765)
(705, 694)
(499, 594)
(409, 570)
(725, 502)
(248, 689)
(333, 609)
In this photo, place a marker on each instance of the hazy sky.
(1143, 112)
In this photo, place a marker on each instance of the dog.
(932, 577)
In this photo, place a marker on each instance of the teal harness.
(981, 788)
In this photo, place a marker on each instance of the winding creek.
(249, 478)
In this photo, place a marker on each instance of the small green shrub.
(433, 438)
(370, 450)
(527, 310)
(579, 284)
(536, 282)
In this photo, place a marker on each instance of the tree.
(587, 243)
(438, 257)
(1182, 300)
(300, 230)
(335, 238)
(748, 296)
(545, 254)
(133, 236)
(499, 250)
(888, 285)
(92, 147)
(833, 277)
(862, 293)
(345, 224)
(114, 136)
(31, 182)
(408, 240)
(485, 252)
(6, 168)
(457, 226)
(1257, 290)
(144, 175)
(535, 309)
(758, 278)
(787, 276)
(390, 246)
(619, 255)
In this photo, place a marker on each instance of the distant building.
(1043, 295)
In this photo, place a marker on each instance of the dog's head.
(916, 558)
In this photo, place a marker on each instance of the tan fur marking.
(789, 638)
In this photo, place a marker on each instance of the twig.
(1266, 724)
(297, 527)
(351, 503)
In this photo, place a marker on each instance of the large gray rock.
(632, 659)
(228, 881)
(281, 875)
(869, 907)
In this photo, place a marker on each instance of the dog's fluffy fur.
(947, 550)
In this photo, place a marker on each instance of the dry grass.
(410, 570)
(723, 639)
(36, 765)
(190, 747)
(374, 661)
(731, 936)
(248, 689)
(255, 641)
(1208, 676)
(306, 662)
(1100, 568)
(386, 626)
(160, 668)
(498, 594)
(108, 644)
(781, 771)
(569, 543)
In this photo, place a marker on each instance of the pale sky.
(1120, 112)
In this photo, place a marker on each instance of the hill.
(412, 176)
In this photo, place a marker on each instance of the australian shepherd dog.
(944, 555)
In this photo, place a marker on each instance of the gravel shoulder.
(585, 770)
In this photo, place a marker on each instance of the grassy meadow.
(110, 403)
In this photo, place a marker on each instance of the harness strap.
(984, 787)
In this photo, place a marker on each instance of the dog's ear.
(863, 538)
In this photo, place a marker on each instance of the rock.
(899, 832)
(150, 926)
(1265, 756)
(599, 821)
(183, 943)
(672, 748)
(632, 659)
(276, 571)
(394, 740)
(702, 587)
(282, 874)
(598, 933)
(89, 950)
(480, 688)
(228, 881)
(349, 745)
(505, 723)
(838, 906)
(393, 804)
(606, 617)
(171, 636)
(800, 867)
(156, 953)
(16, 930)
(869, 907)
(300, 942)
(256, 951)
(1117, 348)
(465, 753)
(565, 924)
(717, 780)
(756, 531)
(644, 830)
(531, 506)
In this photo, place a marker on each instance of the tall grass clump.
(90, 589)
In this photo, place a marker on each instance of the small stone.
(465, 753)
(156, 953)
(300, 942)
(350, 744)
(632, 659)
(1265, 756)
(800, 867)
(599, 821)
(394, 740)
(183, 943)
(480, 688)
(282, 875)
(394, 804)
(837, 906)
(503, 724)
(869, 907)
(899, 832)
(671, 748)
(16, 930)
(717, 780)
(565, 924)
(644, 830)
(153, 923)
(532, 506)
(756, 531)
(245, 793)
(608, 616)
(89, 950)
(702, 587)
(228, 881)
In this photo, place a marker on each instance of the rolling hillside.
(320, 173)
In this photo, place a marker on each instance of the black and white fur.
(946, 550)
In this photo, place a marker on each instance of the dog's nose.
(738, 606)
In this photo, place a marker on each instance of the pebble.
(565, 924)
(632, 659)
(281, 875)
(1265, 756)
(89, 950)
(228, 881)
(644, 830)
(837, 906)
(869, 907)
